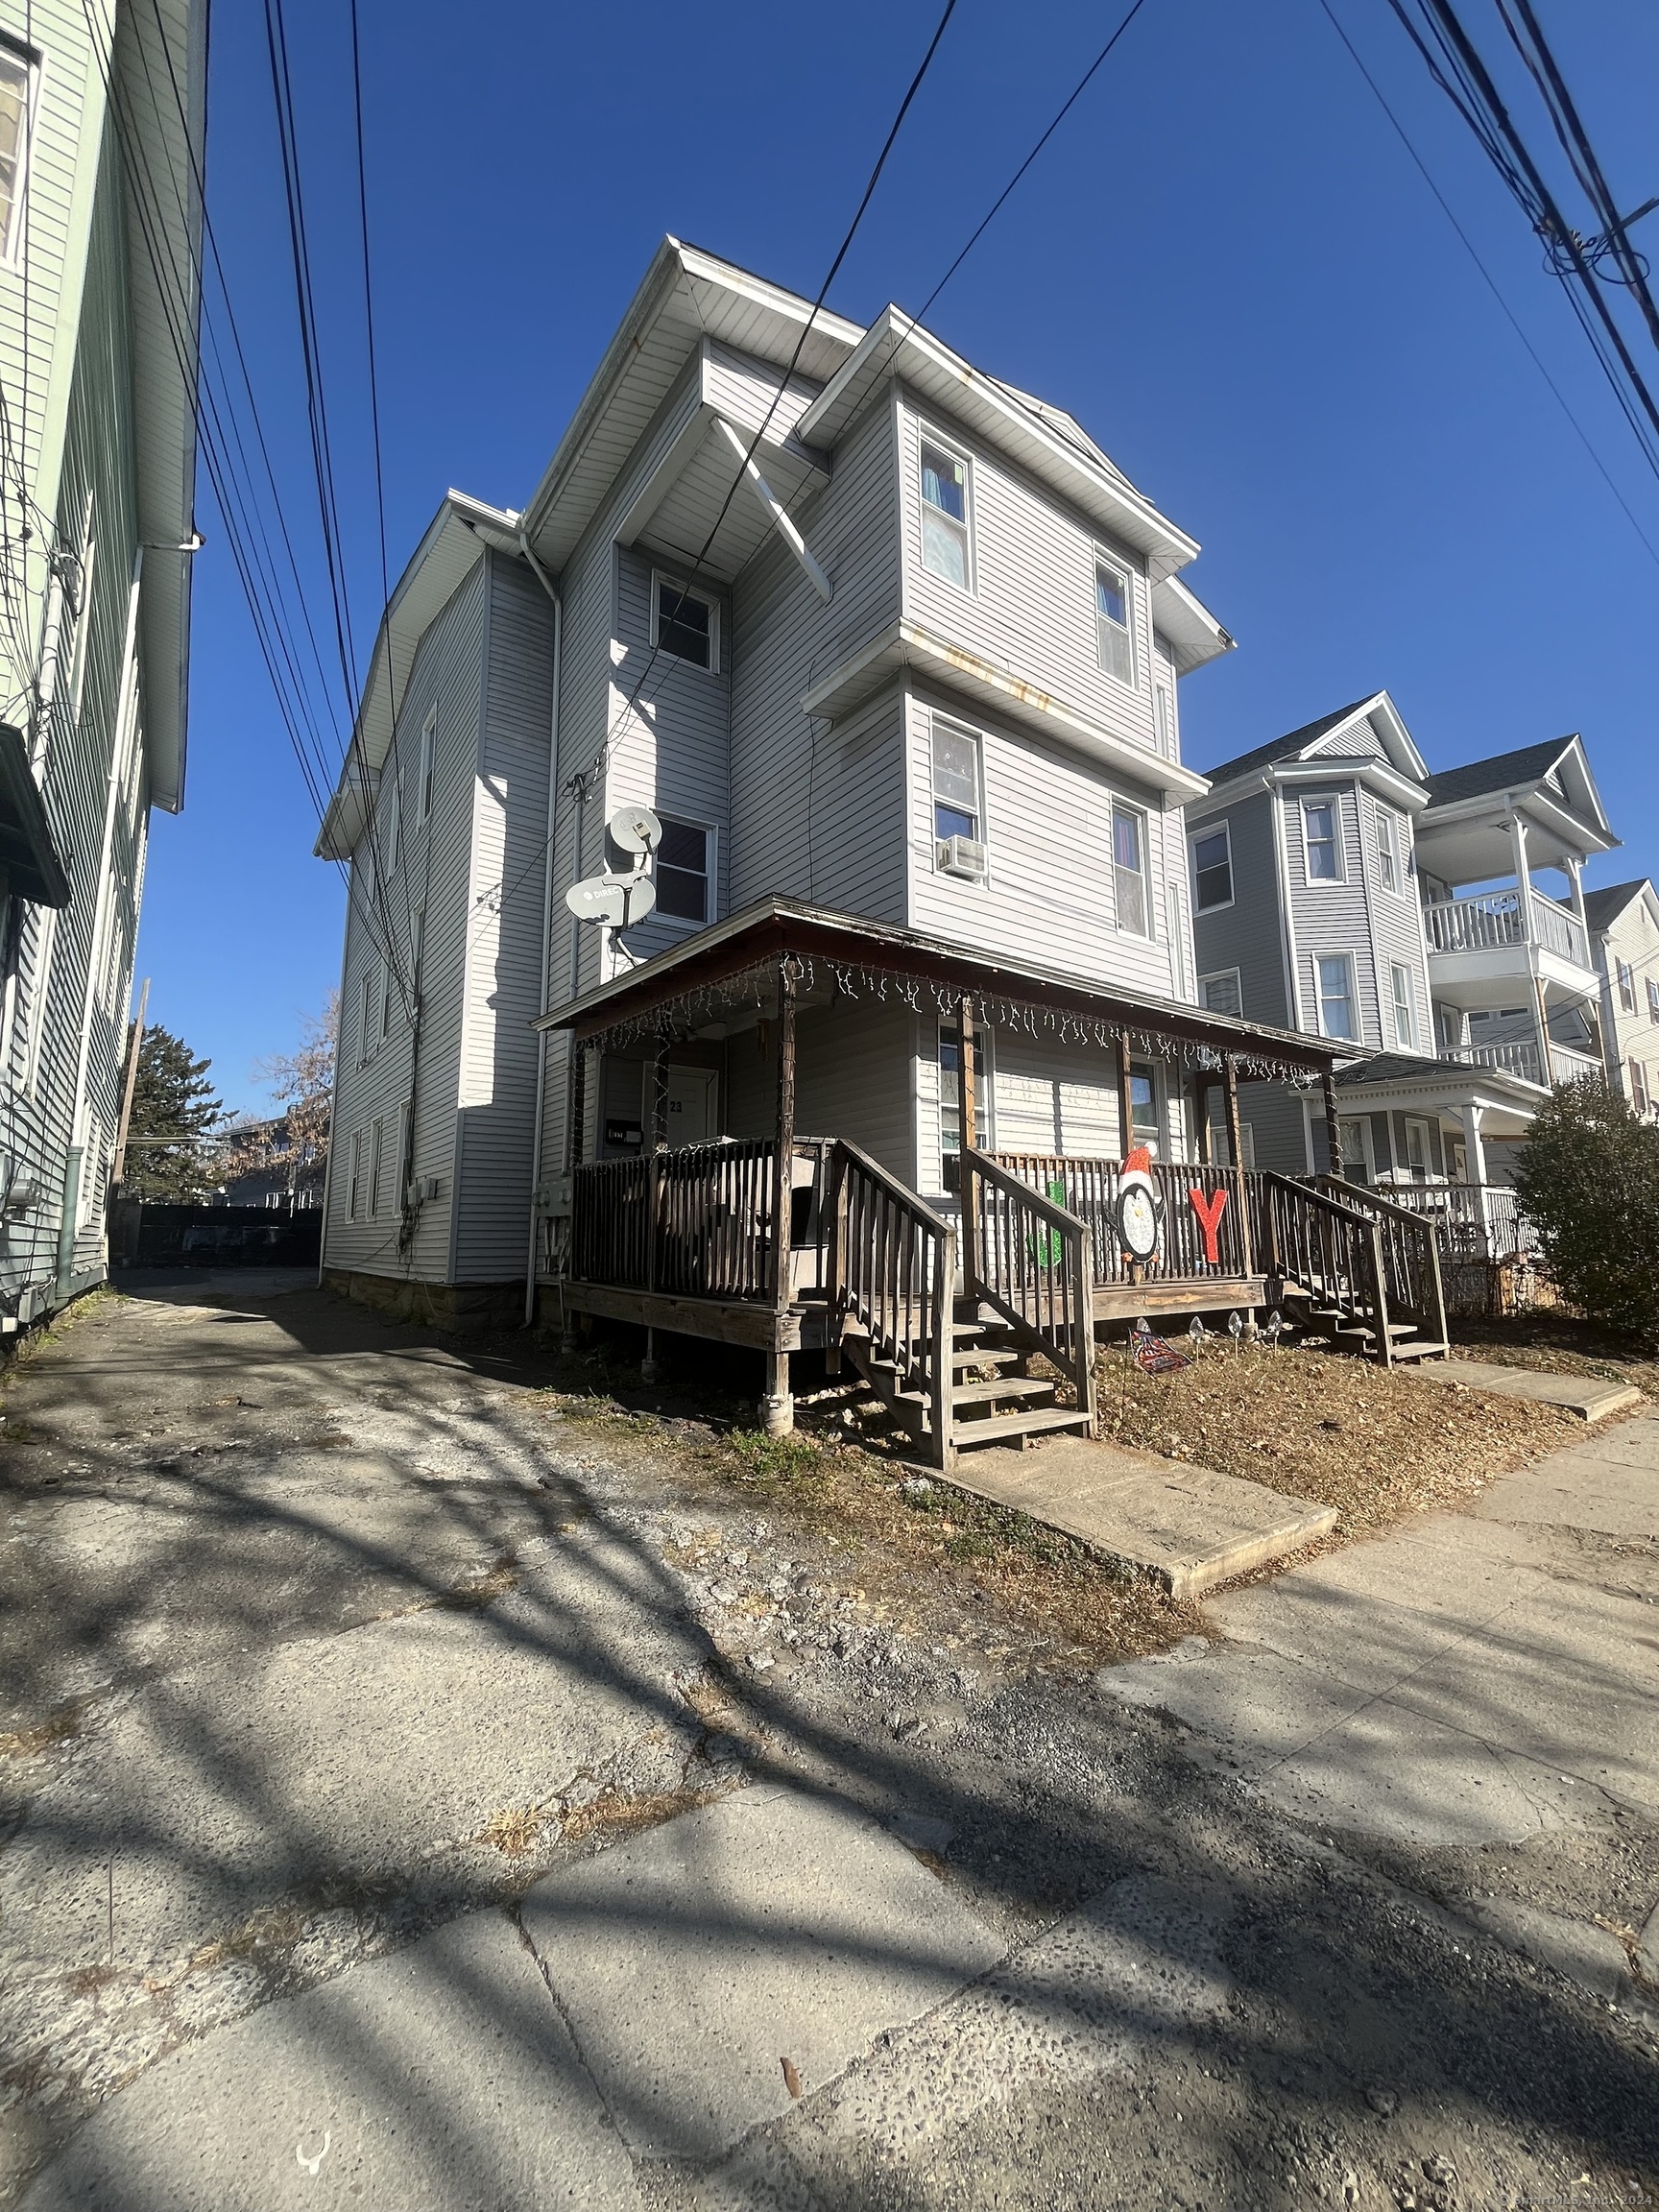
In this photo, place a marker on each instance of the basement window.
(684, 623)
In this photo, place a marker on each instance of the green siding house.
(102, 114)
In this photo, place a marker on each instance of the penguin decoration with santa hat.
(1140, 1207)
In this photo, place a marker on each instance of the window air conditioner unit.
(962, 857)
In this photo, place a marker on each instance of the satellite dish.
(634, 829)
(616, 900)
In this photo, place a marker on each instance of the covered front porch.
(888, 1071)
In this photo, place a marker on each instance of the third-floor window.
(1321, 836)
(946, 519)
(1114, 630)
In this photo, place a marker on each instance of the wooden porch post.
(968, 1098)
(654, 1110)
(1333, 1133)
(1201, 1120)
(1236, 1147)
(578, 1103)
(778, 1406)
(1126, 1094)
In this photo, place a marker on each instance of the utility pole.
(118, 1165)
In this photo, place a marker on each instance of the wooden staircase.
(1356, 1268)
(993, 1397)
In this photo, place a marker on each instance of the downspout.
(125, 717)
(542, 578)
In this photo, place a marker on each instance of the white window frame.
(1352, 996)
(1333, 800)
(1391, 850)
(711, 864)
(1149, 934)
(1400, 970)
(385, 1000)
(1627, 986)
(1106, 559)
(664, 577)
(1220, 976)
(417, 950)
(34, 1010)
(984, 1066)
(1410, 1121)
(377, 1164)
(925, 436)
(354, 1179)
(34, 64)
(1195, 838)
(1163, 720)
(1367, 1143)
(365, 1029)
(1653, 999)
(428, 760)
(977, 739)
(392, 838)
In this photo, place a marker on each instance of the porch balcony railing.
(1472, 1220)
(1492, 920)
(1569, 1066)
(700, 1221)
(1088, 1189)
(1518, 1056)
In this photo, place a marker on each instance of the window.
(355, 1183)
(683, 872)
(1405, 1013)
(1652, 999)
(366, 1035)
(1113, 602)
(376, 1165)
(956, 809)
(417, 947)
(1355, 1138)
(1320, 834)
(428, 743)
(686, 624)
(1144, 1123)
(1638, 1086)
(1627, 986)
(1213, 870)
(1129, 869)
(390, 831)
(945, 542)
(1419, 1154)
(385, 997)
(34, 1004)
(20, 72)
(79, 598)
(1390, 869)
(1221, 993)
(951, 1099)
(1337, 996)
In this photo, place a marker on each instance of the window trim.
(1390, 819)
(1653, 999)
(1149, 934)
(1333, 800)
(969, 526)
(1352, 996)
(1399, 969)
(1408, 1122)
(1223, 829)
(354, 1178)
(976, 738)
(429, 766)
(33, 61)
(376, 1163)
(711, 873)
(704, 598)
(1163, 721)
(1104, 558)
(1218, 976)
(364, 1047)
(1626, 980)
(984, 1089)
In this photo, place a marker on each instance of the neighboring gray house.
(1342, 888)
(101, 149)
(903, 686)
(1623, 924)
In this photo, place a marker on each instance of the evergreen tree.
(1588, 1177)
(171, 1097)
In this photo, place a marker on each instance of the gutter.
(545, 581)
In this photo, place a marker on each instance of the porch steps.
(1001, 1407)
(1354, 1328)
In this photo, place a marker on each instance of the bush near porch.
(1378, 1443)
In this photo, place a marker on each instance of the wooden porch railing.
(1032, 1262)
(1089, 1189)
(696, 1222)
(890, 1267)
(1329, 1249)
(1411, 1256)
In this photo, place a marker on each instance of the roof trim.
(1187, 626)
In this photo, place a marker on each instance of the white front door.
(692, 1096)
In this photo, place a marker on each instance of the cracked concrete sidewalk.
(383, 1827)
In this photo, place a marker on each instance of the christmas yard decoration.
(1152, 1355)
(1209, 1206)
(1140, 1207)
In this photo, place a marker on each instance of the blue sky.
(1224, 264)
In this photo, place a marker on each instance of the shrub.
(1588, 1177)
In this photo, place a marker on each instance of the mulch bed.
(1376, 1444)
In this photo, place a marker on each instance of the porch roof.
(851, 946)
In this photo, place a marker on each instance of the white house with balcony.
(1624, 920)
(1436, 921)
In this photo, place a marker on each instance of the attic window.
(685, 624)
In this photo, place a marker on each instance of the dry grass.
(934, 1563)
(612, 1816)
(60, 1724)
(1559, 1344)
(479, 1591)
(1376, 1444)
(515, 1831)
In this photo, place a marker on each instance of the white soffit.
(896, 345)
(1187, 626)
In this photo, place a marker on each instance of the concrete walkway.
(1589, 1396)
(392, 1822)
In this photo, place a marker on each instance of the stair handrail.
(1069, 1343)
(922, 1355)
(1362, 1233)
(1431, 1311)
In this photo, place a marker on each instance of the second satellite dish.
(617, 901)
(634, 829)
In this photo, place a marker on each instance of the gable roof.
(1502, 772)
(1603, 907)
(1401, 755)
